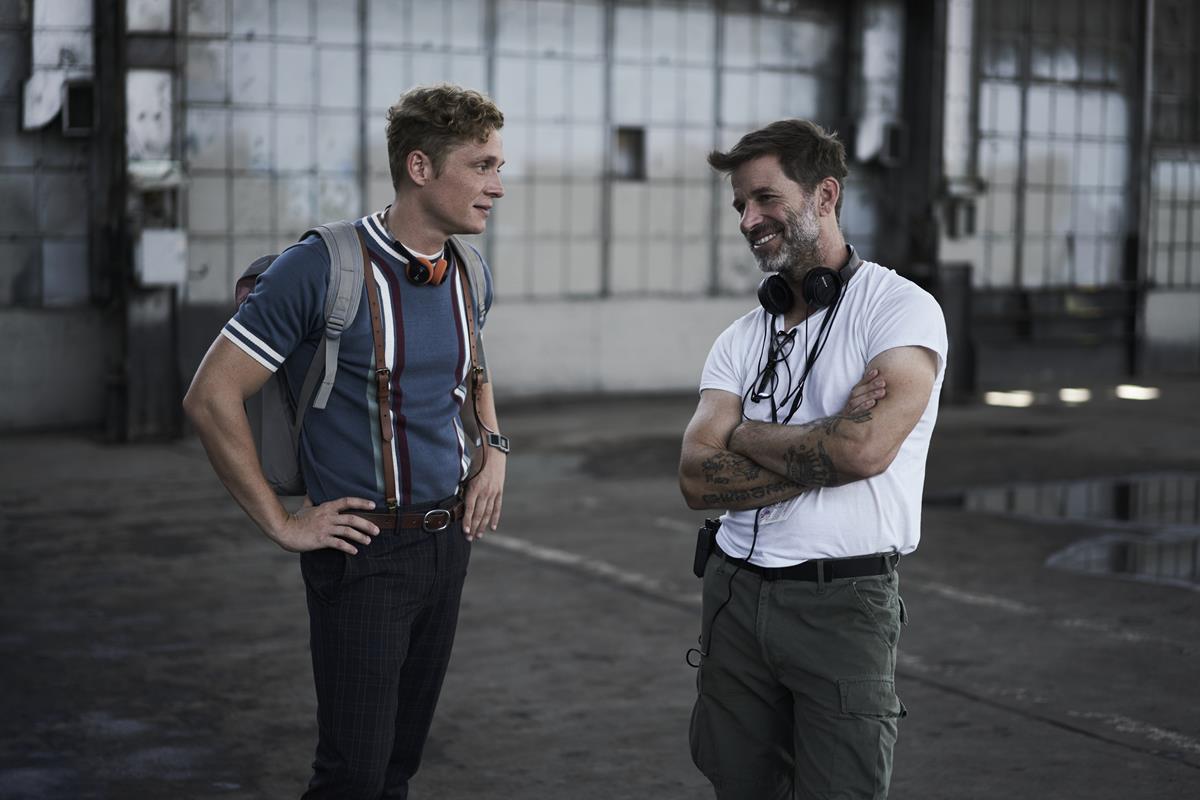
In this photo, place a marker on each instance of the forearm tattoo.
(810, 467)
(755, 493)
(805, 466)
(724, 467)
(829, 425)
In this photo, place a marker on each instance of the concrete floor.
(153, 645)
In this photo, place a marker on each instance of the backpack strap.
(478, 375)
(342, 297)
(476, 290)
(346, 277)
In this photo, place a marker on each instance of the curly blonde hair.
(434, 119)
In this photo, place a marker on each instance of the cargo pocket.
(700, 737)
(870, 696)
(870, 720)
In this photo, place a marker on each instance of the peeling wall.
(57, 348)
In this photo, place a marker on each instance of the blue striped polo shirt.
(427, 348)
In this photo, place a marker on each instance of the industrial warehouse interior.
(1034, 167)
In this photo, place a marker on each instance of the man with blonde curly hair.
(385, 532)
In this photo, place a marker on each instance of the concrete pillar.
(953, 291)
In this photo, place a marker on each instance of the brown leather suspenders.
(383, 380)
(383, 373)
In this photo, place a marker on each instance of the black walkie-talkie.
(706, 539)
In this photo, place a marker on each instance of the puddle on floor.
(1152, 522)
(1173, 561)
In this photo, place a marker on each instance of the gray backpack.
(275, 418)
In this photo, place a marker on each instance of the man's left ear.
(420, 167)
(829, 190)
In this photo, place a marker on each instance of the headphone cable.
(702, 651)
(797, 398)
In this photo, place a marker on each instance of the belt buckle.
(433, 517)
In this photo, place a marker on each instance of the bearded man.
(812, 430)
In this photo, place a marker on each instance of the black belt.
(861, 567)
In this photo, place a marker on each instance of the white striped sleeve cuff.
(252, 345)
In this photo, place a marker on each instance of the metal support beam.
(717, 182)
(106, 171)
(917, 179)
(363, 164)
(490, 27)
(1137, 256)
(606, 191)
(107, 235)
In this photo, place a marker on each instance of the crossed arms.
(734, 464)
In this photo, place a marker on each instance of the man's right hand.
(327, 525)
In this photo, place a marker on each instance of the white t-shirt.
(879, 310)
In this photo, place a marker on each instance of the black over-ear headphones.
(820, 288)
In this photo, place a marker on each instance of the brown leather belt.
(434, 520)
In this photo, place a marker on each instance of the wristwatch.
(498, 441)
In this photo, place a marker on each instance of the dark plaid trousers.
(381, 626)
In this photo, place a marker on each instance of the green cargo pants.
(797, 691)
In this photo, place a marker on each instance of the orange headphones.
(423, 272)
(420, 271)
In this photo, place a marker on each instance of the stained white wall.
(274, 129)
(587, 298)
(54, 367)
(625, 345)
(1171, 335)
(57, 348)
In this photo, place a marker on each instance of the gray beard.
(800, 249)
